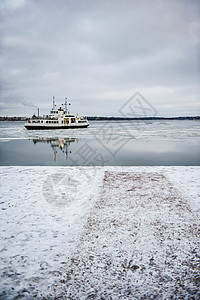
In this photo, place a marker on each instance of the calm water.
(130, 143)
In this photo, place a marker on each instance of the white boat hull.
(29, 126)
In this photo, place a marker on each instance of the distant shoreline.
(141, 118)
(113, 118)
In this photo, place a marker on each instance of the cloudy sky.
(98, 54)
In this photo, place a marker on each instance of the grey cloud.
(28, 103)
(98, 53)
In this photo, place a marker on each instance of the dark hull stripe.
(52, 127)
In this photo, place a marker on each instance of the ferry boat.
(57, 119)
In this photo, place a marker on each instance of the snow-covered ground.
(99, 233)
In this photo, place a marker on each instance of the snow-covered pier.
(100, 233)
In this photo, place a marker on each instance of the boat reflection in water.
(57, 144)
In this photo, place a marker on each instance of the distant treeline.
(13, 118)
(111, 118)
(141, 118)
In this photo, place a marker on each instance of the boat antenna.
(53, 103)
(66, 104)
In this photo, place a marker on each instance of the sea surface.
(103, 143)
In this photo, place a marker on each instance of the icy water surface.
(131, 143)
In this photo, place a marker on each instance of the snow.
(38, 231)
(99, 232)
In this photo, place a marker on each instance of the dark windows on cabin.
(72, 120)
(66, 120)
(52, 122)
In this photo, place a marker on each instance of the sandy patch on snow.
(140, 242)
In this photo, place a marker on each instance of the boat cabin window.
(72, 120)
(51, 122)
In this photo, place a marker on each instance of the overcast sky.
(98, 54)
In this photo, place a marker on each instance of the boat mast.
(53, 103)
(66, 105)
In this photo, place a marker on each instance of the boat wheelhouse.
(57, 119)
